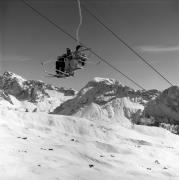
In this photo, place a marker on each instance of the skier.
(80, 56)
(62, 63)
(70, 62)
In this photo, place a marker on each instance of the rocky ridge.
(30, 92)
(164, 110)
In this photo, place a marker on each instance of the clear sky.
(151, 27)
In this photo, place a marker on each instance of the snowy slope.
(95, 141)
(40, 146)
(5, 99)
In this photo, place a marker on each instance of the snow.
(102, 99)
(48, 104)
(14, 76)
(40, 146)
(165, 107)
(104, 80)
(31, 95)
(89, 136)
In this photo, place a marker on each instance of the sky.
(151, 27)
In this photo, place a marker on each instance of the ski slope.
(42, 146)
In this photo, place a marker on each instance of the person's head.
(78, 47)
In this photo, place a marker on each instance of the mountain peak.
(107, 81)
(103, 99)
(8, 74)
(165, 108)
(9, 77)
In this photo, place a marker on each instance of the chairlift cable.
(69, 35)
(125, 43)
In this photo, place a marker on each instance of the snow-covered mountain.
(102, 99)
(87, 135)
(166, 106)
(164, 110)
(31, 95)
(106, 100)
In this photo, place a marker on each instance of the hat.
(78, 47)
